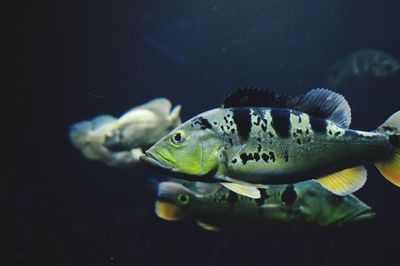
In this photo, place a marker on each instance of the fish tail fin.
(78, 133)
(390, 168)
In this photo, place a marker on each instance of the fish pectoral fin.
(168, 211)
(346, 181)
(248, 191)
(208, 227)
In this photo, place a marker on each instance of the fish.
(301, 206)
(120, 141)
(361, 68)
(259, 138)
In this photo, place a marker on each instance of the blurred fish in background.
(288, 207)
(361, 68)
(119, 141)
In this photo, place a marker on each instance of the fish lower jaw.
(149, 159)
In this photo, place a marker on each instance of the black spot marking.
(242, 119)
(228, 127)
(228, 115)
(318, 125)
(289, 195)
(307, 131)
(300, 120)
(270, 134)
(272, 156)
(257, 123)
(299, 131)
(286, 156)
(259, 147)
(395, 140)
(264, 127)
(204, 123)
(256, 156)
(245, 158)
(215, 123)
(226, 120)
(259, 139)
(265, 157)
(330, 132)
(232, 130)
(234, 161)
(230, 141)
(281, 122)
(263, 196)
(231, 122)
(337, 133)
(298, 141)
(222, 128)
(232, 199)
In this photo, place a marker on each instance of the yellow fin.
(391, 169)
(249, 191)
(208, 227)
(168, 211)
(346, 181)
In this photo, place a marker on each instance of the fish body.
(120, 141)
(273, 145)
(362, 67)
(299, 206)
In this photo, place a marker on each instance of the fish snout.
(156, 160)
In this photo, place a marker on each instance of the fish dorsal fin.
(102, 120)
(168, 211)
(248, 191)
(322, 103)
(256, 97)
(326, 104)
(159, 105)
(208, 227)
(174, 117)
(346, 181)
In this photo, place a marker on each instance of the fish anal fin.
(208, 227)
(346, 181)
(391, 169)
(248, 191)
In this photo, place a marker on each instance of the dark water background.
(76, 60)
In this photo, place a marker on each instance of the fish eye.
(184, 199)
(178, 138)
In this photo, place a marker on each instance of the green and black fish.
(259, 138)
(299, 206)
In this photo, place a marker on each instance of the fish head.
(188, 150)
(326, 209)
(384, 65)
(173, 199)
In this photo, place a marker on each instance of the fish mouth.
(157, 161)
(359, 216)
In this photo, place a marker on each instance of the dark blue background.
(76, 60)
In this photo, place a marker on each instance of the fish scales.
(289, 141)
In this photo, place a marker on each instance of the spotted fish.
(299, 206)
(259, 138)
